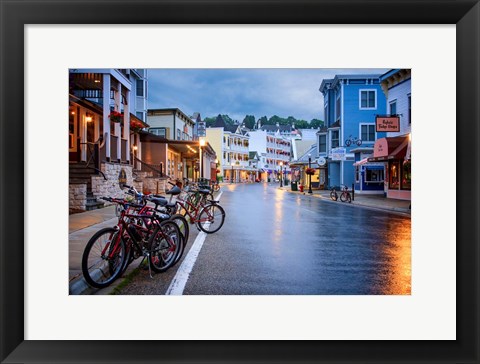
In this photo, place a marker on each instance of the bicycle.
(333, 194)
(353, 140)
(215, 186)
(110, 250)
(345, 195)
(208, 217)
(163, 205)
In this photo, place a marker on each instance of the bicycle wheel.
(164, 246)
(211, 218)
(103, 258)
(182, 224)
(333, 195)
(216, 187)
(359, 142)
(348, 142)
(349, 198)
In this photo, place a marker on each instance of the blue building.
(351, 104)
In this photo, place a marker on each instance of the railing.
(93, 152)
(156, 168)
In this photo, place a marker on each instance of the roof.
(252, 155)
(300, 147)
(313, 154)
(219, 122)
(336, 124)
(151, 112)
(231, 128)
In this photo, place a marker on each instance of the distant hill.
(250, 120)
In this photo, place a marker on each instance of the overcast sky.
(240, 92)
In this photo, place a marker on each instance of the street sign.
(321, 161)
(201, 130)
(338, 154)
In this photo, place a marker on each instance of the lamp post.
(281, 178)
(231, 177)
(202, 144)
(285, 174)
(309, 176)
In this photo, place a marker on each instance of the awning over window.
(390, 148)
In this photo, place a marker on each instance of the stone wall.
(77, 197)
(150, 184)
(111, 186)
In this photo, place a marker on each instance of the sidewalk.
(82, 226)
(378, 202)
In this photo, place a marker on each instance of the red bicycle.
(136, 234)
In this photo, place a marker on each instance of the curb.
(382, 208)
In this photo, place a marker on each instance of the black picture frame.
(15, 14)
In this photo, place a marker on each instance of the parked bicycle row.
(345, 195)
(152, 226)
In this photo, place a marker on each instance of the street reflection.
(398, 259)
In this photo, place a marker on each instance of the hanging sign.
(387, 123)
(202, 132)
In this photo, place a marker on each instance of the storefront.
(369, 177)
(395, 153)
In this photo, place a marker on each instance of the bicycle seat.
(159, 201)
(174, 191)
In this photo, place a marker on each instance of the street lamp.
(202, 144)
(231, 177)
(285, 174)
(309, 176)
(281, 182)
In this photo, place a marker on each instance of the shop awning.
(389, 148)
(361, 162)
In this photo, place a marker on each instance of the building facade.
(394, 150)
(351, 104)
(102, 125)
(172, 124)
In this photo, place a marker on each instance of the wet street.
(277, 243)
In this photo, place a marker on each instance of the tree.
(316, 123)
(249, 121)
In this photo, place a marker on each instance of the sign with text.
(202, 132)
(387, 123)
(338, 154)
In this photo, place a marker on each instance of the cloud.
(238, 92)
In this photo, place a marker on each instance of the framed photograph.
(33, 203)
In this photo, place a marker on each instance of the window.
(72, 128)
(409, 109)
(322, 143)
(406, 175)
(139, 115)
(393, 108)
(179, 134)
(140, 88)
(337, 108)
(325, 114)
(335, 138)
(368, 99)
(357, 174)
(367, 132)
(394, 173)
(158, 131)
(374, 175)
